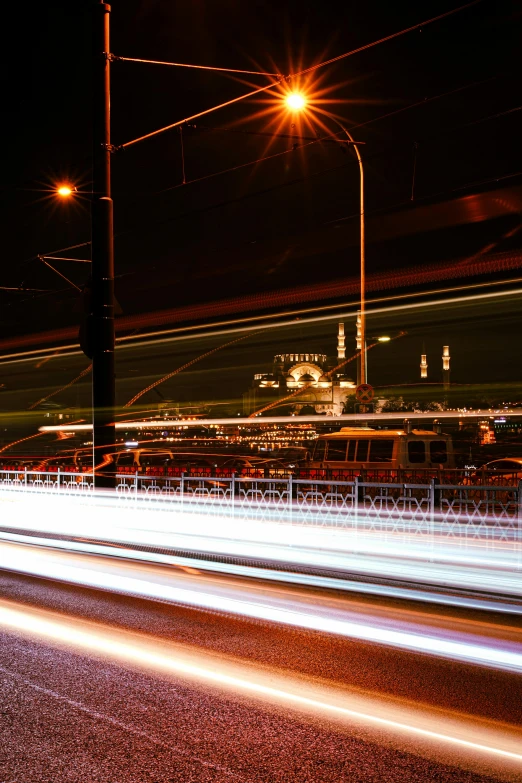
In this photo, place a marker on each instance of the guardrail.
(479, 510)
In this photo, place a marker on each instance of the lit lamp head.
(384, 339)
(64, 191)
(295, 101)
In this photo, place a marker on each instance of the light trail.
(185, 367)
(296, 542)
(347, 585)
(83, 373)
(473, 743)
(236, 325)
(334, 420)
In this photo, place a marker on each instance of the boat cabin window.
(320, 448)
(337, 450)
(381, 451)
(438, 451)
(416, 451)
(361, 455)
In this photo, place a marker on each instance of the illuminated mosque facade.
(323, 389)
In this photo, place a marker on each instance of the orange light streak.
(402, 278)
(63, 388)
(185, 366)
(471, 742)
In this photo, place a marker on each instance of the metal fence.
(452, 509)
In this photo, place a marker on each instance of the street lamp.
(64, 191)
(295, 102)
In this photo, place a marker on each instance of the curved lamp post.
(297, 102)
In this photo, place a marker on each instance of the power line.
(63, 258)
(423, 102)
(311, 139)
(384, 40)
(22, 290)
(294, 75)
(186, 65)
(199, 114)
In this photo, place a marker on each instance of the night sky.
(449, 94)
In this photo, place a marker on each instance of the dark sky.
(279, 224)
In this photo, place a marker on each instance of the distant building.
(324, 389)
(446, 367)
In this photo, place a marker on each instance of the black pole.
(102, 291)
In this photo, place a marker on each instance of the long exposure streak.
(483, 740)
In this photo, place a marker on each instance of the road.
(103, 687)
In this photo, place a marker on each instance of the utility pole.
(101, 321)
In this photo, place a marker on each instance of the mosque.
(323, 389)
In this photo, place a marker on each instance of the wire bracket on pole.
(112, 147)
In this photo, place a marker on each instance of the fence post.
(519, 525)
(356, 491)
(136, 484)
(25, 477)
(294, 486)
(232, 488)
(58, 479)
(435, 495)
(359, 490)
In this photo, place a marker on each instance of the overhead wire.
(187, 65)
(312, 141)
(291, 76)
(41, 258)
(197, 115)
(383, 40)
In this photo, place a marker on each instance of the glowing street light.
(64, 191)
(384, 339)
(297, 102)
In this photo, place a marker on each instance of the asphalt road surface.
(168, 694)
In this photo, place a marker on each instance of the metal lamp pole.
(101, 321)
(362, 374)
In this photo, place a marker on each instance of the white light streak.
(176, 334)
(136, 580)
(147, 424)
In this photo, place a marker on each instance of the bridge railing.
(480, 510)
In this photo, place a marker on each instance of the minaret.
(341, 347)
(446, 366)
(424, 366)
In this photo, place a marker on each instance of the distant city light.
(295, 101)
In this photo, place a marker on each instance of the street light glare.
(295, 101)
(384, 339)
(64, 190)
